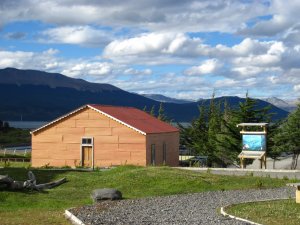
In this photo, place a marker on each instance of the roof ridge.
(131, 107)
(135, 120)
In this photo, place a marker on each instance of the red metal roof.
(136, 118)
(129, 116)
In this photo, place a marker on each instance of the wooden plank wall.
(114, 144)
(172, 148)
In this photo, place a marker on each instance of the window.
(153, 155)
(164, 153)
(87, 141)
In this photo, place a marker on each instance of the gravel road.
(199, 208)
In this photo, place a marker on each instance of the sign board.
(254, 142)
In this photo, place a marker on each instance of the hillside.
(37, 95)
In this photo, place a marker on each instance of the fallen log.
(8, 183)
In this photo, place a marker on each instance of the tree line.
(215, 134)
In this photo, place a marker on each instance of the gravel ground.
(199, 208)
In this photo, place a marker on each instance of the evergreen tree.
(214, 132)
(249, 112)
(272, 150)
(287, 139)
(145, 108)
(199, 133)
(214, 128)
(161, 114)
(194, 137)
(152, 111)
(228, 139)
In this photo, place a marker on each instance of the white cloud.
(247, 70)
(81, 35)
(156, 48)
(48, 61)
(132, 71)
(155, 43)
(282, 19)
(226, 83)
(297, 87)
(27, 60)
(86, 68)
(192, 16)
(207, 67)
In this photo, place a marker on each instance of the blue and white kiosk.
(254, 136)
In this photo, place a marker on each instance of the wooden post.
(243, 165)
(261, 162)
(298, 194)
(265, 156)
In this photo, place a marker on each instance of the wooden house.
(100, 136)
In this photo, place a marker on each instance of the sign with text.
(254, 142)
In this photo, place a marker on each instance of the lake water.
(27, 124)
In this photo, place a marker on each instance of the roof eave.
(58, 119)
(117, 120)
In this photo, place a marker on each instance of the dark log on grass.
(50, 185)
(8, 183)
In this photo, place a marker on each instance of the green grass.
(281, 212)
(134, 182)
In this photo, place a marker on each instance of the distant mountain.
(162, 98)
(53, 80)
(40, 96)
(287, 106)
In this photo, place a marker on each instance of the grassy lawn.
(134, 182)
(281, 212)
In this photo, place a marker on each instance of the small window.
(164, 153)
(87, 141)
(152, 155)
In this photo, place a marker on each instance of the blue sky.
(183, 49)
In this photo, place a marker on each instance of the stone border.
(272, 173)
(72, 218)
(224, 213)
(235, 217)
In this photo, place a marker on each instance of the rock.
(106, 194)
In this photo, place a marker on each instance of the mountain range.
(162, 98)
(283, 104)
(287, 105)
(41, 96)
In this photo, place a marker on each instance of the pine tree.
(161, 114)
(145, 108)
(214, 127)
(152, 111)
(273, 151)
(287, 139)
(199, 133)
(228, 139)
(249, 112)
(214, 132)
